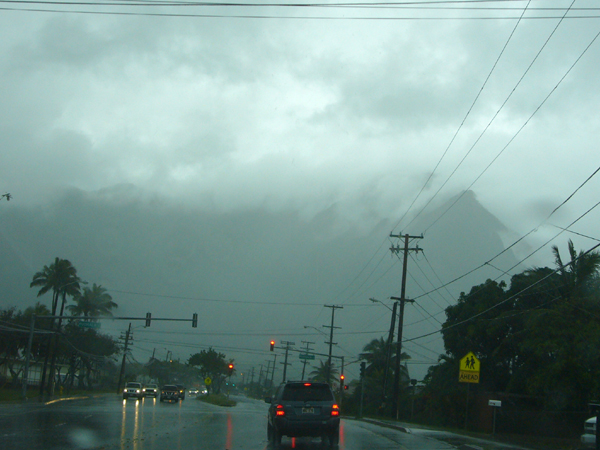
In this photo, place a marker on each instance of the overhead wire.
(395, 6)
(491, 121)
(466, 116)
(541, 280)
(533, 230)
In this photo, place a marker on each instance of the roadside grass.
(500, 440)
(8, 395)
(217, 399)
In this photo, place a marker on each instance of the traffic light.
(362, 369)
(272, 345)
(345, 387)
(342, 377)
(195, 320)
(230, 369)
(148, 319)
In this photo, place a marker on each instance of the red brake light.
(307, 384)
(335, 410)
(280, 411)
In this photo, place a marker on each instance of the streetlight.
(374, 300)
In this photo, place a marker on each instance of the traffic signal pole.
(342, 379)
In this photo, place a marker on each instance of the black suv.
(303, 408)
(169, 393)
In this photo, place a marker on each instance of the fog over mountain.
(252, 275)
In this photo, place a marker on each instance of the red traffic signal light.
(230, 369)
(342, 377)
(230, 366)
(345, 387)
(272, 345)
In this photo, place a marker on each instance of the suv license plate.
(308, 410)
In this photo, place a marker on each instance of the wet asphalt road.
(111, 423)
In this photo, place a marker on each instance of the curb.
(390, 425)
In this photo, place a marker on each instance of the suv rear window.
(302, 393)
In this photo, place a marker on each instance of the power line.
(493, 119)
(460, 126)
(509, 298)
(550, 16)
(569, 197)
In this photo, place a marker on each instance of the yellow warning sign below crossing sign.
(469, 369)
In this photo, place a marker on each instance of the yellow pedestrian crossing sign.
(469, 369)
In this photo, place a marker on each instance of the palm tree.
(93, 302)
(320, 373)
(576, 275)
(60, 278)
(375, 353)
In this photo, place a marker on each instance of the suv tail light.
(335, 410)
(280, 412)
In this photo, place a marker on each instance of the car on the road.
(303, 408)
(151, 390)
(133, 389)
(181, 388)
(193, 392)
(588, 438)
(169, 393)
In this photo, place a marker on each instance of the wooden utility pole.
(127, 336)
(285, 363)
(388, 354)
(402, 300)
(307, 350)
(331, 327)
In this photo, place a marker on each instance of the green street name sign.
(306, 356)
(82, 324)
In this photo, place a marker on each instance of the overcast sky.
(380, 113)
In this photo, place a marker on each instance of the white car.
(588, 438)
(133, 389)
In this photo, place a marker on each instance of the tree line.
(537, 340)
(68, 356)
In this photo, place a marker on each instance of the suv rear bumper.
(299, 428)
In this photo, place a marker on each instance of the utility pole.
(285, 363)
(127, 337)
(307, 350)
(402, 300)
(28, 357)
(273, 372)
(388, 353)
(331, 327)
(267, 374)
